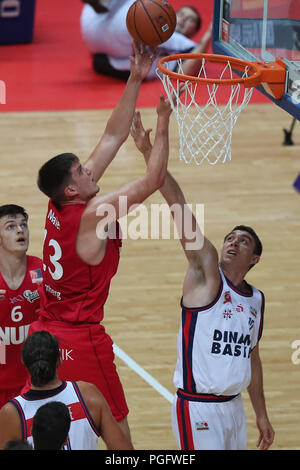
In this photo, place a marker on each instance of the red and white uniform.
(17, 311)
(213, 366)
(72, 304)
(74, 291)
(83, 434)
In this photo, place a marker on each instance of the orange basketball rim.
(271, 75)
(207, 108)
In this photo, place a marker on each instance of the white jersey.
(106, 33)
(83, 434)
(215, 342)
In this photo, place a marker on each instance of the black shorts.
(102, 66)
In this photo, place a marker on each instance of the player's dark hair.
(12, 210)
(258, 244)
(40, 355)
(17, 444)
(55, 175)
(51, 425)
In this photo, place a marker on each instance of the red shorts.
(87, 355)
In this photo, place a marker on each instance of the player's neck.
(73, 201)
(13, 268)
(55, 383)
(235, 277)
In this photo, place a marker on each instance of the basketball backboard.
(262, 30)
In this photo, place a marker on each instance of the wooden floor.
(142, 314)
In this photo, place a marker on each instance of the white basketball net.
(205, 130)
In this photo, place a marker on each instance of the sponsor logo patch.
(202, 426)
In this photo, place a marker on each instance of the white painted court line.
(142, 373)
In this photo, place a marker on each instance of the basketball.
(151, 22)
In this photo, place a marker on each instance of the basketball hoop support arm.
(272, 76)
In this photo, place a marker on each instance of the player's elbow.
(115, 135)
(123, 137)
(158, 179)
(151, 183)
(157, 175)
(161, 177)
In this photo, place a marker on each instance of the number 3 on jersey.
(54, 267)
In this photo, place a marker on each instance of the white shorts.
(201, 425)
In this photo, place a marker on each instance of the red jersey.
(74, 291)
(17, 311)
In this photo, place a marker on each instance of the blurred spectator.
(110, 43)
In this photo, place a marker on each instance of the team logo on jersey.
(227, 313)
(227, 297)
(36, 276)
(31, 296)
(253, 311)
(18, 298)
(251, 323)
(239, 308)
(202, 426)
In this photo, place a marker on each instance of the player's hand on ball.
(142, 60)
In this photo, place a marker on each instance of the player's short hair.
(17, 444)
(258, 248)
(12, 210)
(51, 425)
(55, 175)
(40, 355)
